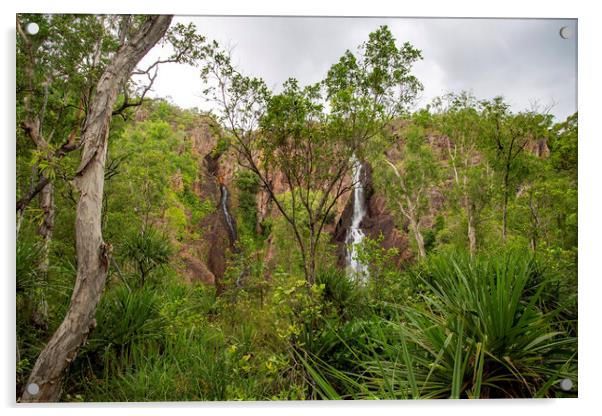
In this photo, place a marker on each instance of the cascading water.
(231, 227)
(227, 216)
(355, 235)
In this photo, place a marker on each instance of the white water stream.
(229, 220)
(355, 235)
(231, 228)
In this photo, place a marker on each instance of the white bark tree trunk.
(40, 315)
(46, 379)
(418, 237)
(472, 233)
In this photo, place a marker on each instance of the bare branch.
(126, 98)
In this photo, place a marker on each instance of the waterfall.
(227, 216)
(231, 228)
(355, 235)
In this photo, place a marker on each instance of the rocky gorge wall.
(377, 221)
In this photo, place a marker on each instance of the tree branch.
(126, 98)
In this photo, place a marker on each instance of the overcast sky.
(522, 59)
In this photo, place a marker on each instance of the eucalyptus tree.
(131, 38)
(310, 134)
(56, 70)
(459, 120)
(409, 180)
(508, 136)
(545, 206)
(563, 145)
(545, 209)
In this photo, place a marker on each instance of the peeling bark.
(93, 254)
(40, 315)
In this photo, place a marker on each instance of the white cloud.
(521, 59)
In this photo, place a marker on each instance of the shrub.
(346, 297)
(124, 318)
(478, 332)
(147, 250)
(28, 259)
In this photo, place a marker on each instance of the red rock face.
(539, 148)
(378, 220)
(196, 270)
(218, 241)
(203, 137)
(265, 207)
(204, 259)
(216, 245)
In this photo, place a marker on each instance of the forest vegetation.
(168, 254)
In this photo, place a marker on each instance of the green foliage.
(344, 296)
(298, 307)
(477, 332)
(408, 185)
(384, 272)
(379, 67)
(499, 325)
(430, 235)
(500, 322)
(563, 145)
(293, 133)
(28, 259)
(148, 250)
(545, 209)
(125, 319)
(223, 143)
(247, 183)
(28, 287)
(288, 253)
(177, 220)
(185, 307)
(496, 299)
(155, 177)
(457, 117)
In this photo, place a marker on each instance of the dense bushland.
(498, 324)
(486, 307)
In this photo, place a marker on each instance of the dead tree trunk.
(93, 254)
